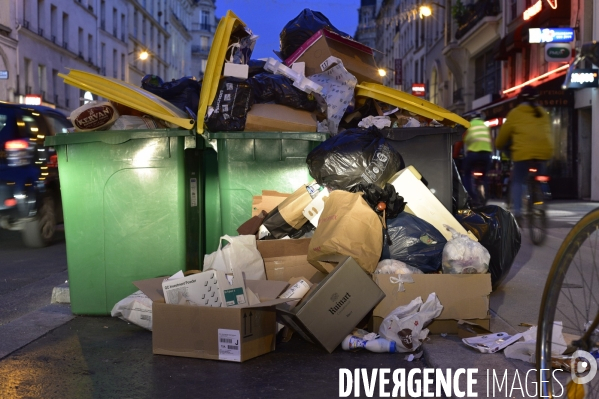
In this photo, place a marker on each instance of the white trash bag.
(405, 325)
(463, 255)
(399, 272)
(241, 253)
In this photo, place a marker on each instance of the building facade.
(203, 28)
(475, 55)
(41, 38)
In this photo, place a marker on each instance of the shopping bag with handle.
(240, 252)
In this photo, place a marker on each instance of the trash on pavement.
(467, 329)
(373, 344)
(497, 230)
(492, 343)
(240, 253)
(464, 296)
(462, 255)
(333, 308)
(347, 227)
(525, 349)
(286, 259)
(415, 242)
(219, 333)
(405, 325)
(400, 273)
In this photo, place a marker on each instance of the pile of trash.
(356, 249)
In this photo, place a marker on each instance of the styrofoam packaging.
(94, 116)
(240, 71)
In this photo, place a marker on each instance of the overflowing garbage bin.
(132, 203)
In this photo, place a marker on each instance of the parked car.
(29, 186)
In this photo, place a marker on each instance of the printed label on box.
(234, 296)
(228, 345)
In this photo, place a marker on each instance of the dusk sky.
(266, 18)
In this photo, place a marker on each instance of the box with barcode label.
(234, 334)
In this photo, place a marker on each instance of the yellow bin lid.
(409, 102)
(129, 95)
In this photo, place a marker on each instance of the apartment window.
(90, 48)
(135, 24)
(416, 72)
(53, 22)
(513, 9)
(41, 80)
(204, 43)
(115, 22)
(40, 17)
(203, 67)
(80, 39)
(123, 27)
(487, 74)
(434, 90)
(122, 66)
(115, 60)
(55, 82)
(103, 14)
(65, 30)
(103, 57)
(66, 95)
(204, 20)
(143, 30)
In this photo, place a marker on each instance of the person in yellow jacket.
(478, 147)
(526, 135)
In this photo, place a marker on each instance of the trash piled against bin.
(357, 246)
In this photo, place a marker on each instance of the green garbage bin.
(133, 207)
(249, 162)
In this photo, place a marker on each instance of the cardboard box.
(233, 334)
(463, 296)
(279, 118)
(331, 309)
(357, 58)
(285, 259)
(267, 201)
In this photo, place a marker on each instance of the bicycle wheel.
(571, 296)
(537, 217)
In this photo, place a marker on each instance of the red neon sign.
(552, 3)
(532, 10)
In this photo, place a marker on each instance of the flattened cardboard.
(463, 296)
(267, 201)
(279, 118)
(467, 329)
(265, 289)
(285, 259)
(331, 309)
(357, 58)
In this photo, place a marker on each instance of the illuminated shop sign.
(33, 99)
(582, 78)
(558, 52)
(532, 10)
(550, 35)
(418, 89)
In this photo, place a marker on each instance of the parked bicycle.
(571, 296)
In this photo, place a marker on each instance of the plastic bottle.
(376, 345)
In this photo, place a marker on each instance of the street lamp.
(426, 10)
(143, 55)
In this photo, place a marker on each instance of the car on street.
(29, 186)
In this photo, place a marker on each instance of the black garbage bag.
(352, 157)
(255, 67)
(230, 106)
(497, 231)
(459, 197)
(268, 87)
(415, 242)
(375, 195)
(301, 28)
(183, 93)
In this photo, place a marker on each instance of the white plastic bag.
(399, 272)
(462, 255)
(240, 253)
(405, 325)
(136, 309)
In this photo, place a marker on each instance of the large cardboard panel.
(463, 296)
(285, 259)
(331, 309)
(357, 58)
(279, 118)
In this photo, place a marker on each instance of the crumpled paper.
(378, 121)
(525, 350)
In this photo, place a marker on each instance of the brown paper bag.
(288, 216)
(347, 227)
